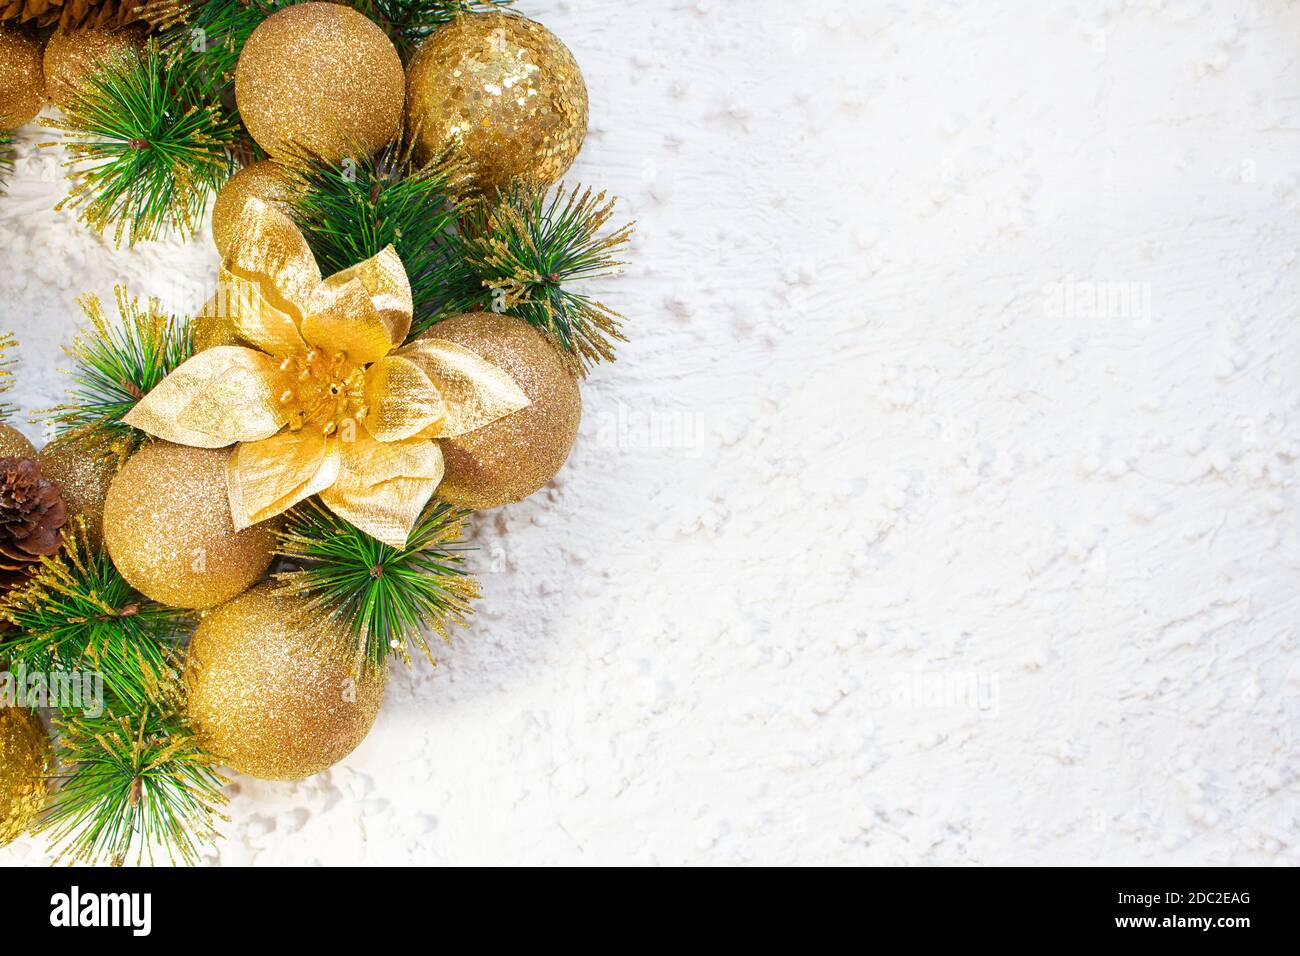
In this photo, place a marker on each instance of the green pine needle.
(6, 159)
(387, 598)
(351, 211)
(207, 36)
(136, 779)
(148, 143)
(115, 364)
(408, 22)
(7, 363)
(77, 613)
(522, 252)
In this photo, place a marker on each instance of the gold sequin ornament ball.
(25, 758)
(14, 444)
(168, 528)
(70, 57)
(271, 691)
(515, 456)
(82, 469)
(22, 82)
(266, 180)
(502, 94)
(319, 79)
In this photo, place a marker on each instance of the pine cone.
(32, 513)
(74, 14)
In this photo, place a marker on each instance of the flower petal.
(475, 391)
(384, 278)
(267, 478)
(400, 400)
(384, 486)
(342, 318)
(221, 396)
(254, 317)
(266, 247)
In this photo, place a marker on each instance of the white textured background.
(882, 543)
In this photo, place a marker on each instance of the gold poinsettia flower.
(326, 401)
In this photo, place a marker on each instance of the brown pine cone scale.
(32, 515)
(73, 15)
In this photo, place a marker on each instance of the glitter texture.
(22, 83)
(14, 444)
(168, 528)
(503, 94)
(24, 760)
(267, 181)
(322, 79)
(510, 459)
(325, 401)
(271, 691)
(69, 57)
(82, 469)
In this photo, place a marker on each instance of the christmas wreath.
(244, 516)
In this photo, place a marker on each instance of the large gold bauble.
(22, 83)
(502, 94)
(319, 79)
(82, 469)
(168, 528)
(14, 444)
(72, 56)
(25, 758)
(517, 455)
(266, 180)
(270, 687)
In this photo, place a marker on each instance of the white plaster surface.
(942, 509)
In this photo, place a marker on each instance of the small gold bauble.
(71, 57)
(502, 94)
(14, 444)
(320, 79)
(271, 691)
(22, 85)
(266, 180)
(82, 469)
(517, 455)
(25, 758)
(168, 528)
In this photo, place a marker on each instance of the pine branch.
(8, 342)
(137, 778)
(522, 252)
(408, 22)
(6, 159)
(207, 36)
(350, 212)
(387, 598)
(115, 364)
(148, 144)
(77, 613)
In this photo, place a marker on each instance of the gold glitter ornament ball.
(82, 469)
(503, 94)
(517, 455)
(320, 79)
(266, 180)
(71, 57)
(22, 81)
(25, 757)
(270, 688)
(14, 444)
(168, 528)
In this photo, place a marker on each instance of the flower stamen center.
(324, 390)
